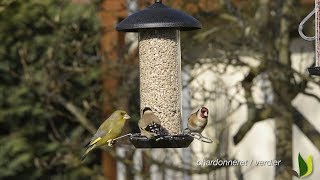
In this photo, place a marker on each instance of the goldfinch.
(149, 124)
(198, 120)
(108, 130)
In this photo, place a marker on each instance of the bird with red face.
(198, 120)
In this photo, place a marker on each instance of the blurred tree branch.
(77, 113)
(307, 128)
(258, 115)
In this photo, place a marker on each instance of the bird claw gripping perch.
(111, 142)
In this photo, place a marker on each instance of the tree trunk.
(283, 123)
(110, 13)
(283, 147)
(146, 164)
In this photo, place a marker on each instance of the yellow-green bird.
(108, 130)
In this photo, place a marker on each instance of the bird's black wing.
(154, 128)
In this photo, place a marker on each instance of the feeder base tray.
(175, 141)
(314, 71)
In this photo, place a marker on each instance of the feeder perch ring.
(162, 141)
(166, 141)
(200, 137)
(112, 142)
(314, 70)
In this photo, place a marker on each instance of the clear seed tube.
(160, 75)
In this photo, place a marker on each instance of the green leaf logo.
(305, 167)
(309, 166)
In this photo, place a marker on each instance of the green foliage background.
(48, 52)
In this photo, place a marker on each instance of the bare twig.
(77, 112)
(260, 115)
(307, 128)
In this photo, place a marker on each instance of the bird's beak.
(205, 114)
(126, 116)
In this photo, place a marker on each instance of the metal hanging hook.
(300, 29)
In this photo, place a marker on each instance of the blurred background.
(64, 69)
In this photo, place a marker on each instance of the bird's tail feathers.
(93, 142)
(87, 144)
(89, 148)
(83, 157)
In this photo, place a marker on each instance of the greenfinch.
(149, 124)
(108, 130)
(198, 120)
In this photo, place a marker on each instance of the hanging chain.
(316, 12)
(317, 35)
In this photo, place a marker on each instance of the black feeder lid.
(158, 15)
(174, 141)
(314, 71)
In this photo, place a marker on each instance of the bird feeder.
(316, 11)
(159, 29)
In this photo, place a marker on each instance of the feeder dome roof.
(158, 15)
